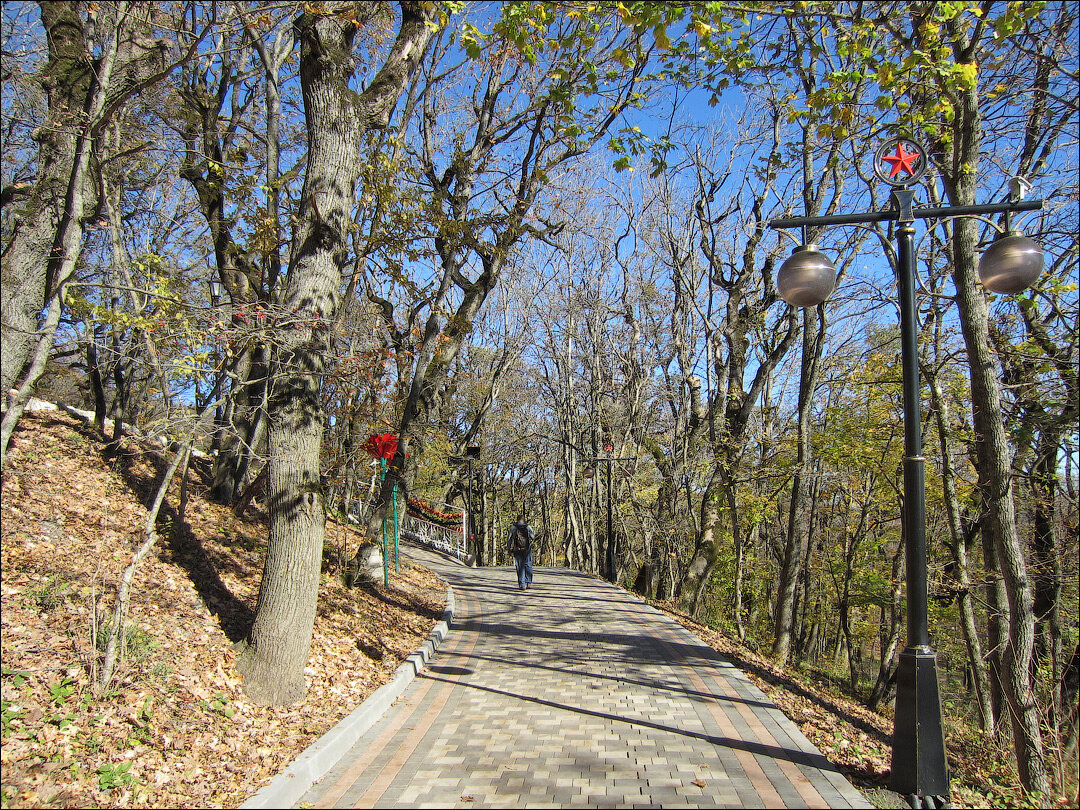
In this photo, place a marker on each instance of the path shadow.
(700, 652)
(817, 699)
(690, 692)
(805, 758)
(488, 580)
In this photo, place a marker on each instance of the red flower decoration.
(382, 445)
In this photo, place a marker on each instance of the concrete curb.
(289, 786)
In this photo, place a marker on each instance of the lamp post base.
(919, 766)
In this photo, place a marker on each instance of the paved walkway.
(575, 694)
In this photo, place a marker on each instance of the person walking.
(519, 542)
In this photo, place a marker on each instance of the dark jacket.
(513, 531)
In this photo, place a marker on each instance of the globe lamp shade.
(1012, 264)
(807, 278)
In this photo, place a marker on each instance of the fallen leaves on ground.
(175, 729)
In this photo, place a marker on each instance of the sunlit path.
(575, 694)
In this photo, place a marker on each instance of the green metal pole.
(397, 548)
(385, 548)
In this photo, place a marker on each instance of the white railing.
(449, 540)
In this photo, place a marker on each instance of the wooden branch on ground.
(123, 594)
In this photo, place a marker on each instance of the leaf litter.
(175, 728)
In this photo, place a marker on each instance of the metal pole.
(470, 524)
(919, 767)
(385, 548)
(397, 547)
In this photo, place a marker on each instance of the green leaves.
(472, 40)
(60, 692)
(112, 776)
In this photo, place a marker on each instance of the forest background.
(272, 230)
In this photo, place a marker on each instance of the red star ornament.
(902, 160)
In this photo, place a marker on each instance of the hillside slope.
(175, 729)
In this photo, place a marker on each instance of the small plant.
(48, 597)
(93, 742)
(145, 713)
(8, 714)
(28, 456)
(139, 644)
(61, 721)
(18, 677)
(114, 776)
(60, 692)
(219, 704)
(141, 735)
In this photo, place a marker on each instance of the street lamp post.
(1012, 263)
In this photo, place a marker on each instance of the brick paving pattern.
(576, 694)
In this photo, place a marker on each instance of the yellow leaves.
(623, 57)
(661, 37)
(701, 28)
(967, 74)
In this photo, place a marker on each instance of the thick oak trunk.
(276, 651)
(24, 287)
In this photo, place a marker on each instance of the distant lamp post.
(217, 291)
(1012, 263)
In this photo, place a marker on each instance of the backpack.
(521, 538)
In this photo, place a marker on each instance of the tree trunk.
(39, 280)
(960, 177)
(276, 651)
(995, 484)
(24, 290)
(1047, 572)
(959, 543)
(798, 515)
(703, 561)
(890, 640)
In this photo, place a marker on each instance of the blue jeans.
(523, 566)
